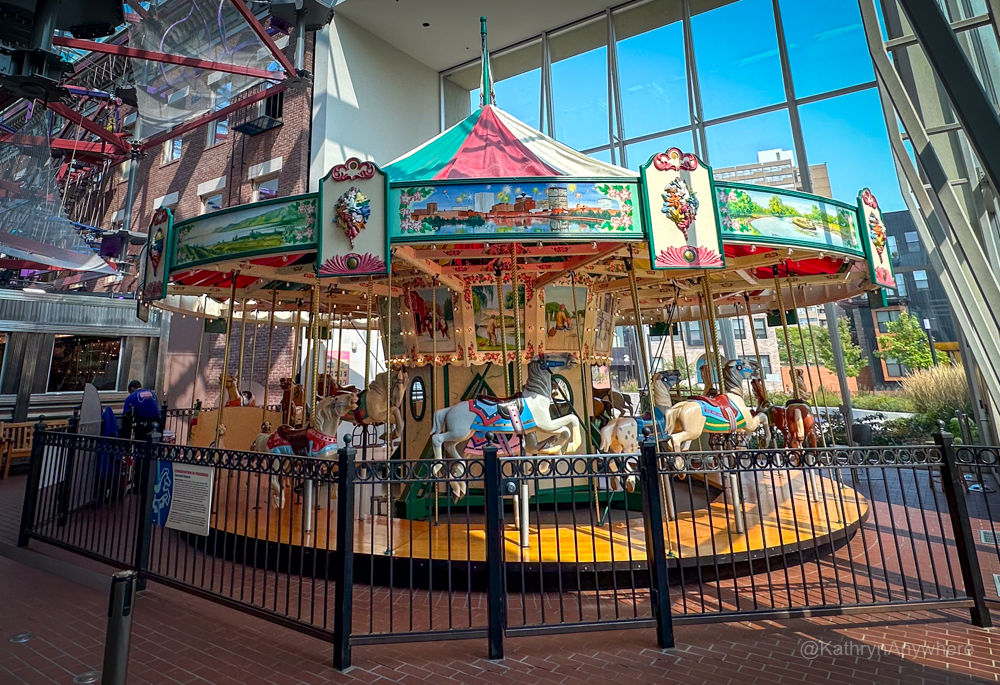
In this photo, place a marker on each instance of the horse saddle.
(796, 400)
(718, 401)
(303, 442)
(503, 404)
(720, 414)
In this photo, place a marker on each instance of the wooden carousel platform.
(563, 538)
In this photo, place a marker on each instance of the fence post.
(146, 478)
(69, 467)
(656, 557)
(953, 484)
(31, 487)
(118, 638)
(343, 573)
(495, 563)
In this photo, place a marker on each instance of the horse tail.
(606, 434)
(439, 417)
(800, 426)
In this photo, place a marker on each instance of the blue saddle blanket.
(489, 418)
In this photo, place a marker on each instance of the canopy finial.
(486, 95)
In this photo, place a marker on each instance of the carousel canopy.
(492, 144)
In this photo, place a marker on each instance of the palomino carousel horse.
(525, 414)
(315, 443)
(794, 421)
(234, 398)
(373, 409)
(621, 435)
(724, 414)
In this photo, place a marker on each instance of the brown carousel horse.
(293, 401)
(795, 420)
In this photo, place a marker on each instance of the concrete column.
(34, 343)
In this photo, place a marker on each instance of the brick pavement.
(182, 639)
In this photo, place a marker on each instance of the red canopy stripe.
(492, 151)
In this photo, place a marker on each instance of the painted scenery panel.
(247, 231)
(429, 328)
(486, 311)
(776, 217)
(562, 319)
(531, 207)
(604, 327)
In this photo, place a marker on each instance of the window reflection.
(580, 86)
(736, 50)
(81, 359)
(826, 42)
(760, 140)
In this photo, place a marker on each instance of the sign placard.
(678, 201)
(353, 214)
(182, 497)
(156, 256)
(875, 240)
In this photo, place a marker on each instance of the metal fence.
(530, 545)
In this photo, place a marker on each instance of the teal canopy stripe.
(424, 163)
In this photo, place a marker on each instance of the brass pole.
(802, 340)
(710, 311)
(753, 336)
(706, 339)
(340, 341)
(314, 376)
(197, 362)
(434, 348)
(503, 330)
(819, 378)
(308, 344)
(388, 368)
(296, 359)
(243, 340)
(518, 380)
(225, 353)
(270, 341)
(368, 331)
(784, 330)
(684, 351)
(253, 348)
(640, 337)
(584, 367)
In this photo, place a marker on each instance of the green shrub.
(912, 430)
(883, 401)
(938, 391)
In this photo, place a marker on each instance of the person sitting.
(142, 409)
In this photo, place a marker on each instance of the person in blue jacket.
(146, 408)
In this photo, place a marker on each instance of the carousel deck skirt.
(582, 542)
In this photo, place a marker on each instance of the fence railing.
(529, 545)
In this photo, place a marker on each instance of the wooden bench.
(15, 442)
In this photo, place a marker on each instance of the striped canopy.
(491, 144)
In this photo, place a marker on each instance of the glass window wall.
(81, 359)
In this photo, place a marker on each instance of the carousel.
(486, 273)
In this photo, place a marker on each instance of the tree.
(778, 208)
(743, 205)
(906, 343)
(853, 360)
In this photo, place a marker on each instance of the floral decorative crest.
(869, 199)
(675, 160)
(352, 169)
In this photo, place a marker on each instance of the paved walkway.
(181, 639)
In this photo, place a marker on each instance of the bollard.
(119, 636)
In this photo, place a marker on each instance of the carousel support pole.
(802, 342)
(388, 357)
(518, 380)
(710, 314)
(784, 332)
(368, 332)
(243, 340)
(308, 503)
(753, 336)
(253, 349)
(640, 337)
(307, 384)
(197, 361)
(838, 362)
(709, 380)
(225, 352)
(507, 382)
(340, 340)
(270, 342)
(584, 367)
(819, 379)
(290, 410)
(743, 351)
(684, 351)
(434, 373)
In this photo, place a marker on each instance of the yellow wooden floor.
(703, 532)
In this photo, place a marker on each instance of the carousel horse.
(293, 402)
(526, 414)
(723, 414)
(794, 421)
(372, 405)
(606, 399)
(311, 443)
(235, 398)
(621, 435)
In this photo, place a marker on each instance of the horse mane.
(539, 379)
(731, 379)
(660, 393)
(380, 383)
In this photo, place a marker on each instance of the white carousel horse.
(316, 443)
(686, 421)
(621, 435)
(372, 405)
(527, 414)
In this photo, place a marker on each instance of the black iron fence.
(522, 546)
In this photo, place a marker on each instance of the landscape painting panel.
(562, 319)
(779, 218)
(248, 231)
(429, 328)
(486, 312)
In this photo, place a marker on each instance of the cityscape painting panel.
(514, 208)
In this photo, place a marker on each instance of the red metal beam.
(263, 35)
(211, 116)
(82, 147)
(137, 53)
(77, 118)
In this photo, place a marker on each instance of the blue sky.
(738, 70)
